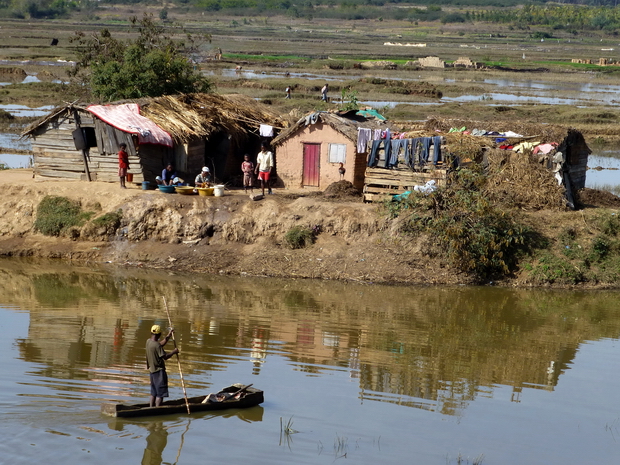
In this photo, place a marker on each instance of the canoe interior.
(252, 398)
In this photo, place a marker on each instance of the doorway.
(312, 154)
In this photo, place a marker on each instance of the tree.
(151, 65)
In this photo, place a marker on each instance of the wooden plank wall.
(55, 155)
(359, 170)
(382, 183)
(54, 151)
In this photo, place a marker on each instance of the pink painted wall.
(289, 157)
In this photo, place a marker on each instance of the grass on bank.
(480, 234)
(55, 215)
(588, 253)
(464, 227)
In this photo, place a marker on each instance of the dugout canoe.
(242, 397)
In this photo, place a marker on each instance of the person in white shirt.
(264, 165)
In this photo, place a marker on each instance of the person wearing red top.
(123, 163)
(248, 173)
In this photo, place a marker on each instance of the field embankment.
(349, 240)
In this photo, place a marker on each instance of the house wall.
(55, 155)
(289, 157)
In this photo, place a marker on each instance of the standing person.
(155, 356)
(248, 173)
(123, 163)
(264, 164)
(288, 92)
(324, 92)
(168, 174)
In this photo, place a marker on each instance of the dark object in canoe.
(248, 397)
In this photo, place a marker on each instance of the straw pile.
(467, 147)
(200, 115)
(518, 180)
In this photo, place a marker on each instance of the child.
(248, 173)
(123, 163)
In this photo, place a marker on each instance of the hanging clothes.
(395, 149)
(436, 149)
(373, 158)
(266, 130)
(376, 134)
(426, 146)
(407, 152)
(363, 137)
(414, 148)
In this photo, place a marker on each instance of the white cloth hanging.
(266, 130)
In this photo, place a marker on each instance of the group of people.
(262, 170)
(324, 91)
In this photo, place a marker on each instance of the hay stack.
(518, 180)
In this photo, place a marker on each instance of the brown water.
(372, 374)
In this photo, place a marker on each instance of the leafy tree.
(151, 65)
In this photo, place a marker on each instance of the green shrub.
(56, 214)
(110, 220)
(299, 237)
(601, 246)
(609, 224)
(464, 227)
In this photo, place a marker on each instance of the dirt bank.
(228, 235)
(236, 235)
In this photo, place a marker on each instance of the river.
(373, 374)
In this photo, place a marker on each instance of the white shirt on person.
(264, 160)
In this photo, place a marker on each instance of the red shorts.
(122, 172)
(263, 175)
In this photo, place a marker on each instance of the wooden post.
(178, 359)
(76, 117)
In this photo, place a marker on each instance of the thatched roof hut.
(216, 130)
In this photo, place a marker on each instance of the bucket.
(129, 177)
(205, 191)
(146, 186)
(218, 191)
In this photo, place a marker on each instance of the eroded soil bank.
(229, 235)
(233, 234)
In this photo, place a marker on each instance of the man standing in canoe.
(155, 357)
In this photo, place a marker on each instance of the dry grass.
(519, 181)
(200, 115)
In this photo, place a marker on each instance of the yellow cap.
(156, 329)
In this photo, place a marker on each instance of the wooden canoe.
(250, 397)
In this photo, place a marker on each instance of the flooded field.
(373, 374)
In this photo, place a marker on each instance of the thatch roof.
(345, 126)
(194, 115)
(200, 115)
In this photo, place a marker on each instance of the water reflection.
(435, 349)
(345, 358)
(156, 442)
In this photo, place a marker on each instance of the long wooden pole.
(178, 359)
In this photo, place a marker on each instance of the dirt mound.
(13, 71)
(596, 198)
(341, 190)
